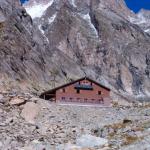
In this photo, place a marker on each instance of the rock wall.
(70, 40)
(98, 36)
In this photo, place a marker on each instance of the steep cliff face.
(25, 59)
(98, 36)
(74, 38)
(16, 44)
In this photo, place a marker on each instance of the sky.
(134, 5)
(23, 1)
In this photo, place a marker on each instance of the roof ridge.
(69, 83)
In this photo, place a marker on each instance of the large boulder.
(30, 112)
(89, 141)
(17, 101)
(1, 98)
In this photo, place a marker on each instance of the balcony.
(83, 87)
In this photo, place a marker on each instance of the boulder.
(17, 101)
(35, 99)
(1, 98)
(1, 144)
(68, 146)
(89, 141)
(30, 112)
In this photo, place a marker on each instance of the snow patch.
(90, 141)
(51, 19)
(73, 3)
(43, 33)
(40, 28)
(140, 19)
(37, 10)
(147, 30)
(89, 21)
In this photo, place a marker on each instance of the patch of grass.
(116, 126)
(147, 105)
(115, 104)
(138, 129)
(130, 139)
(111, 135)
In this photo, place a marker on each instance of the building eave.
(65, 85)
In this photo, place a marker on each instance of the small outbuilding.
(83, 91)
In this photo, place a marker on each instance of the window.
(63, 98)
(63, 90)
(78, 91)
(99, 93)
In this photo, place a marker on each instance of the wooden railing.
(80, 100)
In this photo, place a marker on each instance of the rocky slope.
(98, 36)
(29, 123)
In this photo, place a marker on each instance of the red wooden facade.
(84, 90)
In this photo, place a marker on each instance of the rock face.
(17, 46)
(25, 59)
(98, 37)
(71, 39)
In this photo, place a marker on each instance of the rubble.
(40, 124)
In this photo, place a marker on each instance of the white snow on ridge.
(147, 30)
(51, 19)
(89, 21)
(37, 10)
(43, 33)
(73, 3)
(139, 20)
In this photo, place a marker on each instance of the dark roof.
(62, 86)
